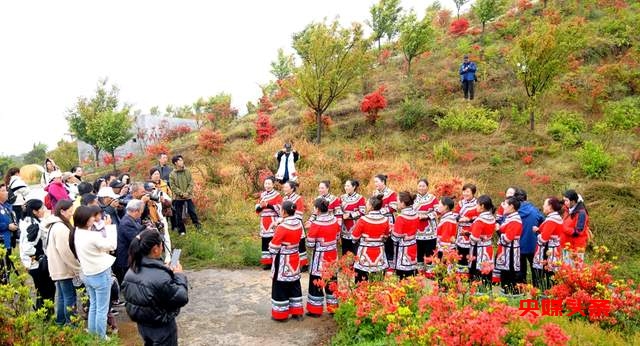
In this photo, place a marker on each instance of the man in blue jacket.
(468, 77)
(530, 216)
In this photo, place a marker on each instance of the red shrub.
(373, 103)
(175, 133)
(210, 141)
(449, 188)
(524, 5)
(128, 156)
(358, 156)
(157, 149)
(108, 159)
(264, 129)
(459, 27)
(265, 105)
(443, 18)
(384, 56)
(527, 159)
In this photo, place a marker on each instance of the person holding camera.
(287, 157)
(129, 227)
(468, 77)
(110, 202)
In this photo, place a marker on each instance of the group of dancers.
(401, 232)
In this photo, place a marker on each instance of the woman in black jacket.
(154, 292)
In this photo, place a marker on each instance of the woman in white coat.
(20, 189)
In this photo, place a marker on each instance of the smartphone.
(175, 257)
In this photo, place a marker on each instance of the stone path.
(232, 307)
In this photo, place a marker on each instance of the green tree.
(100, 121)
(541, 55)
(384, 19)
(65, 155)
(37, 154)
(6, 162)
(155, 110)
(283, 66)
(487, 10)
(415, 37)
(333, 60)
(459, 4)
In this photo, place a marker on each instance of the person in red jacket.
(286, 292)
(426, 238)
(576, 227)
(480, 237)
(546, 259)
(290, 191)
(508, 255)
(466, 212)
(404, 237)
(353, 207)
(268, 208)
(371, 230)
(322, 238)
(56, 190)
(389, 208)
(447, 226)
(335, 207)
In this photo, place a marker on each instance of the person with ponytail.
(547, 258)
(404, 237)
(353, 207)
(372, 230)
(33, 244)
(268, 209)
(19, 188)
(286, 292)
(63, 264)
(480, 237)
(576, 227)
(154, 292)
(323, 239)
(92, 246)
(388, 209)
(425, 205)
(290, 191)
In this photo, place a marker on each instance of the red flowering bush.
(157, 149)
(585, 282)
(384, 56)
(265, 105)
(443, 19)
(527, 159)
(524, 5)
(174, 133)
(264, 129)
(459, 27)
(107, 159)
(373, 103)
(210, 141)
(451, 188)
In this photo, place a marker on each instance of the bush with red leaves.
(264, 129)
(373, 103)
(210, 141)
(459, 27)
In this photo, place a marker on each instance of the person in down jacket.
(154, 293)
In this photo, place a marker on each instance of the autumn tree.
(333, 60)
(459, 4)
(415, 37)
(384, 19)
(541, 55)
(282, 67)
(100, 121)
(487, 10)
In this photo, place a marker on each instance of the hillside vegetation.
(586, 134)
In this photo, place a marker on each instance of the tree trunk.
(113, 155)
(531, 118)
(379, 45)
(483, 27)
(409, 67)
(96, 150)
(319, 126)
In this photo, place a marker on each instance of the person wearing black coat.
(154, 293)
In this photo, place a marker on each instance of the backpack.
(12, 193)
(48, 201)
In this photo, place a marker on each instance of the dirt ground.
(233, 307)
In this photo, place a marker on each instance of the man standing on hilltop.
(468, 77)
(286, 164)
(182, 187)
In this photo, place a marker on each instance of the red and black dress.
(508, 255)
(335, 207)
(426, 238)
(268, 217)
(464, 208)
(296, 199)
(286, 293)
(353, 207)
(371, 230)
(404, 240)
(389, 208)
(322, 239)
(548, 256)
(482, 231)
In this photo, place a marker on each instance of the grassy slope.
(490, 161)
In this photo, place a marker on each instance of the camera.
(154, 196)
(124, 200)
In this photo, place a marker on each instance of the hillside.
(591, 105)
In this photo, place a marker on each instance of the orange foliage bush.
(210, 141)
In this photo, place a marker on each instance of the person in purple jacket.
(531, 216)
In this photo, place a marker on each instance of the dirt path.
(232, 307)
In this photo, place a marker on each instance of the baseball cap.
(107, 192)
(116, 184)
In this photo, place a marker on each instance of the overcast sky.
(156, 52)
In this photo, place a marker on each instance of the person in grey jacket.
(154, 293)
